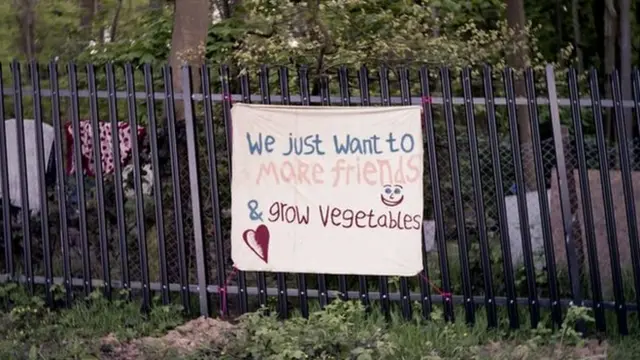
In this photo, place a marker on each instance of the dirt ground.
(592, 350)
(195, 334)
(211, 333)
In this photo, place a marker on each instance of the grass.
(344, 330)
(30, 330)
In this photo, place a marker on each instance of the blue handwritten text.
(355, 145)
(304, 145)
(257, 146)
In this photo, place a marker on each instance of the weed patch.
(30, 330)
(96, 328)
(344, 330)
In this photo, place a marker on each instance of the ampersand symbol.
(253, 211)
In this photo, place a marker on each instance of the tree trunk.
(637, 44)
(224, 7)
(597, 11)
(577, 34)
(559, 28)
(190, 26)
(156, 4)
(625, 62)
(610, 34)
(519, 60)
(435, 12)
(115, 21)
(88, 12)
(26, 22)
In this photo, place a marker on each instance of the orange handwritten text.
(290, 172)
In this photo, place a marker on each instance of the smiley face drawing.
(392, 195)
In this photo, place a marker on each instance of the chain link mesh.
(487, 187)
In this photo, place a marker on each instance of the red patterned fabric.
(106, 147)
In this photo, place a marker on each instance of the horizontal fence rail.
(111, 179)
(317, 100)
(312, 293)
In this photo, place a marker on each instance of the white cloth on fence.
(13, 168)
(347, 199)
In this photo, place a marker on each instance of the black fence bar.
(213, 185)
(118, 192)
(523, 214)
(34, 68)
(226, 114)
(485, 255)
(194, 189)
(4, 183)
(283, 77)
(97, 164)
(141, 231)
(627, 180)
(345, 100)
(587, 206)
(72, 73)
(383, 77)
(157, 182)
(324, 94)
(22, 167)
(303, 79)
(616, 273)
(60, 180)
(565, 199)
(505, 242)
(169, 106)
(383, 281)
(246, 89)
(365, 100)
(445, 80)
(425, 292)
(226, 106)
(405, 90)
(79, 174)
(324, 91)
(246, 92)
(635, 81)
(281, 280)
(429, 129)
(550, 259)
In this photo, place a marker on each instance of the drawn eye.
(397, 191)
(387, 191)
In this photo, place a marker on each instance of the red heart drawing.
(258, 241)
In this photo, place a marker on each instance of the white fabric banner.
(334, 190)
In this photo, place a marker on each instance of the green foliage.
(374, 32)
(147, 40)
(344, 330)
(333, 33)
(574, 316)
(568, 333)
(340, 330)
(55, 34)
(31, 330)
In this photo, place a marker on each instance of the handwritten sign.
(335, 190)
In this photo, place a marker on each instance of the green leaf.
(33, 353)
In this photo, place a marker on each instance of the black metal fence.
(526, 188)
